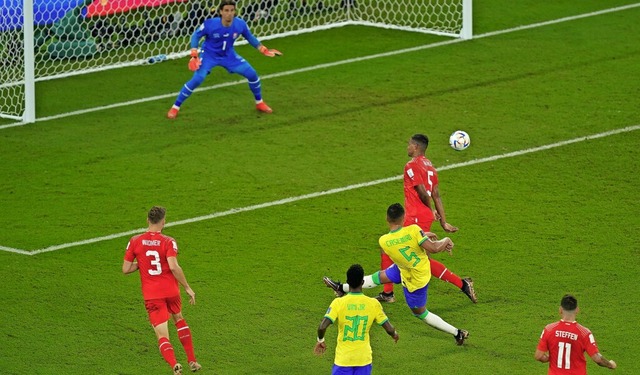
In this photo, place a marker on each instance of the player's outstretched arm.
(321, 346)
(268, 52)
(437, 202)
(391, 331)
(432, 247)
(602, 361)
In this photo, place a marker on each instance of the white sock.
(369, 283)
(437, 322)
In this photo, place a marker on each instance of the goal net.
(79, 36)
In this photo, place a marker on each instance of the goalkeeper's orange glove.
(269, 52)
(194, 63)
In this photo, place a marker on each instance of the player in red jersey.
(155, 257)
(420, 188)
(563, 343)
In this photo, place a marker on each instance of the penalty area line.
(327, 192)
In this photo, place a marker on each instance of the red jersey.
(418, 170)
(151, 249)
(566, 343)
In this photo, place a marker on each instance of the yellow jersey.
(403, 247)
(354, 315)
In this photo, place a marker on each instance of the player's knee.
(251, 75)
(198, 78)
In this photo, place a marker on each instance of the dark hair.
(156, 214)
(355, 276)
(421, 140)
(226, 2)
(395, 212)
(569, 302)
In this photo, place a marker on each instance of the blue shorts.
(415, 299)
(351, 370)
(233, 64)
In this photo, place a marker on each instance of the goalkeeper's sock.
(256, 89)
(435, 321)
(185, 93)
(184, 334)
(166, 349)
(441, 272)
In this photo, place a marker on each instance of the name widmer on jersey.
(151, 242)
(398, 241)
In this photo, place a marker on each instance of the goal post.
(50, 39)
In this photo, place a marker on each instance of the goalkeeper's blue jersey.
(218, 39)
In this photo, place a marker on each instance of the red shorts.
(424, 222)
(159, 309)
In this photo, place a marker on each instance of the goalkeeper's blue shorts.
(233, 64)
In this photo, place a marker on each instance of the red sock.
(441, 272)
(167, 351)
(184, 334)
(386, 262)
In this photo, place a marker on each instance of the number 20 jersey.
(354, 314)
(151, 250)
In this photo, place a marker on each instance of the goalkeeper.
(219, 34)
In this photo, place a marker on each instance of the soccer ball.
(459, 140)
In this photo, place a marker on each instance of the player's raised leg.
(440, 271)
(370, 281)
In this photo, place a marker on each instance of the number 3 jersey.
(151, 250)
(566, 343)
(403, 247)
(354, 314)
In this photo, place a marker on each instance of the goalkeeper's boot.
(461, 336)
(335, 285)
(194, 366)
(467, 288)
(177, 369)
(263, 107)
(173, 112)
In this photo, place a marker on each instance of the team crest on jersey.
(235, 35)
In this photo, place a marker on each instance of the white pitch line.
(329, 65)
(327, 192)
(17, 251)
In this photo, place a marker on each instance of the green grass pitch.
(533, 226)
